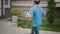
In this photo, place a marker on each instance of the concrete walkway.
(7, 27)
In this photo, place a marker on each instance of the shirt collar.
(36, 5)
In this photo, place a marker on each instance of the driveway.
(7, 27)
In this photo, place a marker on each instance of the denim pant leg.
(36, 30)
(33, 30)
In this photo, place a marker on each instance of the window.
(7, 3)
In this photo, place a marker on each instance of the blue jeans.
(35, 30)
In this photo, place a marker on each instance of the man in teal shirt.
(36, 13)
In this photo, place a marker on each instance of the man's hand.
(28, 16)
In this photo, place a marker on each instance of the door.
(58, 12)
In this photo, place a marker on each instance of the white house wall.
(28, 3)
(57, 0)
(24, 3)
(58, 5)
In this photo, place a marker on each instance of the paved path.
(7, 27)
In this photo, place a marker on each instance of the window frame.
(0, 8)
(7, 6)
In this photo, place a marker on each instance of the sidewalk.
(7, 27)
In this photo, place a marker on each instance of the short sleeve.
(31, 11)
(42, 11)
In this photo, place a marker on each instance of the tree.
(51, 11)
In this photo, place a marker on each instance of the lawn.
(45, 26)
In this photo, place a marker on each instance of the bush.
(16, 11)
(51, 14)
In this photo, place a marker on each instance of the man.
(35, 13)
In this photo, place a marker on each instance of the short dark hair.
(37, 2)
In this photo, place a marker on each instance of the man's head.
(36, 2)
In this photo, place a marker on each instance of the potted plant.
(16, 12)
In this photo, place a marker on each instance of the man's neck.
(36, 4)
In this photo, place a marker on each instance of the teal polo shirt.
(36, 13)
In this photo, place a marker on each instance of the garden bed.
(45, 26)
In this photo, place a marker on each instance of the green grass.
(45, 26)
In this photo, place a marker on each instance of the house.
(25, 5)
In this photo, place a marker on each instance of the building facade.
(25, 5)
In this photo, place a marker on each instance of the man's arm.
(30, 14)
(43, 14)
